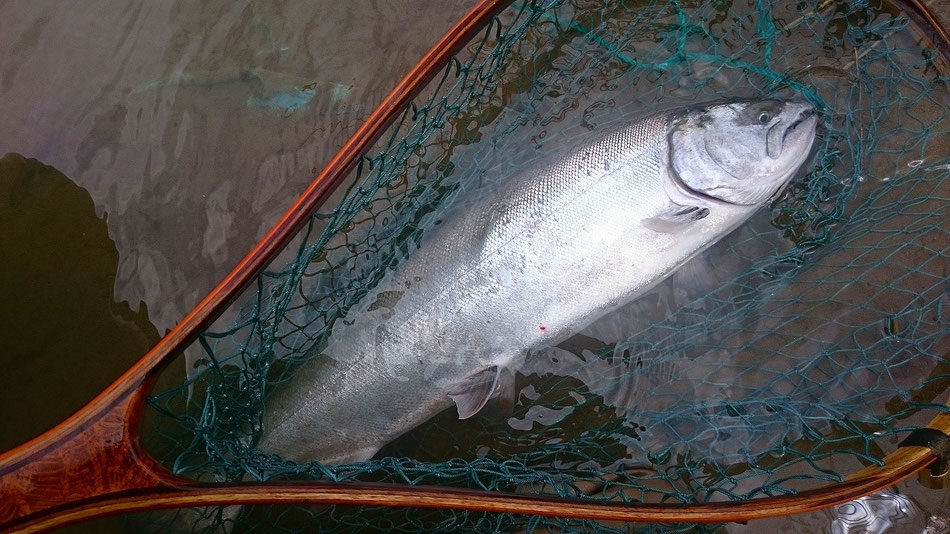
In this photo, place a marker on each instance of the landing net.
(798, 349)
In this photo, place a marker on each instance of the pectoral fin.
(675, 218)
(471, 394)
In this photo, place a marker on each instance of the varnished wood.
(898, 466)
(92, 465)
(102, 458)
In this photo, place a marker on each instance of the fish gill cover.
(791, 353)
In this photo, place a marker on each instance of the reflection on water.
(879, 513)
(193, 125)
(64, 335)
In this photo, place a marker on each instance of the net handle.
(92, 465)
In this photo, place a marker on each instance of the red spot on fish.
(543, 328)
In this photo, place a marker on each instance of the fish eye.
(765, 117)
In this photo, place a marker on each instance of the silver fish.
(548, 253)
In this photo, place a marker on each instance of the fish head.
(742, 151)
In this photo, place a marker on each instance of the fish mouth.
(803, 117)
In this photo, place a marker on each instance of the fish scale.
(546, 254)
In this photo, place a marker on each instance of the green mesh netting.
(796, 350)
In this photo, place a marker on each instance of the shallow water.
(192, 157)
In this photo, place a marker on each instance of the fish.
(527, 266)
(270, 90)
